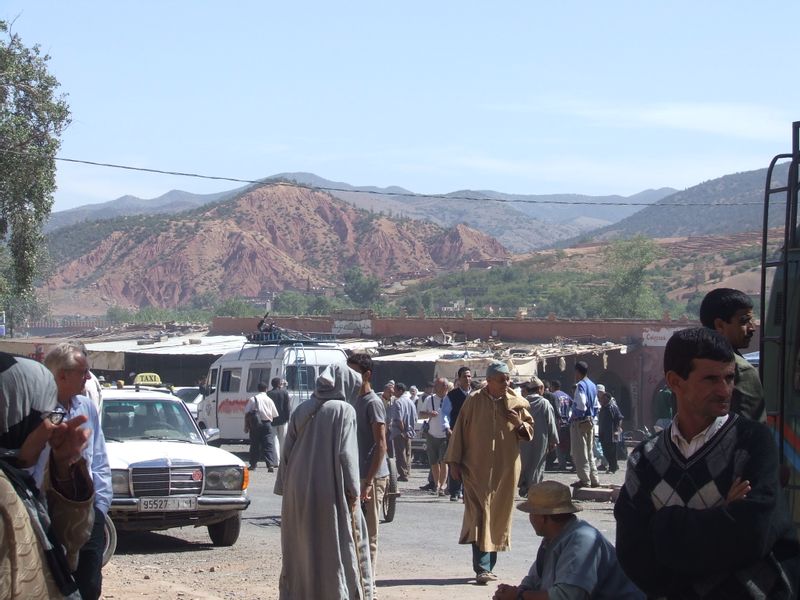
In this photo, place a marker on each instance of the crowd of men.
(701, 514)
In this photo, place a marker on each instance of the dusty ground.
(419, 556)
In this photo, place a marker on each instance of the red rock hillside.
(273, 238)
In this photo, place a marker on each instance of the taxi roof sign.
(147, 379)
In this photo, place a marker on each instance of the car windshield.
(146, 419)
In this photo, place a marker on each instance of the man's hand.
(551, 447)
(455, 471)
(66, 442)
(366, 491)
(738, 490)
(505, 592)
(33, 445)
(514, 418)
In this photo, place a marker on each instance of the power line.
(295, 184)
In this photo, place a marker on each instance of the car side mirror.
(211, 434)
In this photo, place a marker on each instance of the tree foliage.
(361, 289)
(628, 293)
(32, 117)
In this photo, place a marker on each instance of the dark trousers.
(454, 486)
(89, 574)
(402, 455)
(262, 446)
(482, 561)
(610, 452)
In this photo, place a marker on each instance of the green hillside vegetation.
(627, 288)
(638, 279)
(632, 278)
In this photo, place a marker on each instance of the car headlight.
(225, 478)
(120, 482)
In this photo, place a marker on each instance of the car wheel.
(390, 496)
(110, 540)
(225, 533)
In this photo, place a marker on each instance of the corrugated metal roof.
(196, 345)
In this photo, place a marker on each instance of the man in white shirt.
(436, 435)
(258, 414)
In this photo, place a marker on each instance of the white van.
(234, 378)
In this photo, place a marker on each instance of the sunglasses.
(56, 417)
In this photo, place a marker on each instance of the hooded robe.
(486, 446)
(324, 538)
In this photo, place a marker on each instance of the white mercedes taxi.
(163, 472)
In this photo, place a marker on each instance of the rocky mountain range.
(517, 221)
(726, 205)
(285, 234)
(270, 238)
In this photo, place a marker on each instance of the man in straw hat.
(484, 454)
(574, 559)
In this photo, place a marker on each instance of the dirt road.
(419, 555)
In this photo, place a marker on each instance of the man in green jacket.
(730, 313)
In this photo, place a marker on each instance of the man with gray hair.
(436, 434)
(70, 369)
(92, 388)
(483, 452)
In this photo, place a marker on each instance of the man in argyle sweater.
(702, 514)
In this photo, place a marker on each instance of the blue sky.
(519, 97)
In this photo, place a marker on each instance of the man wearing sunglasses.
(70, 369)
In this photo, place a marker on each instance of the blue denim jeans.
(482, 561)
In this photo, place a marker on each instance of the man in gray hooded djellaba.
(324, 539)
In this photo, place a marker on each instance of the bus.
(779, 364)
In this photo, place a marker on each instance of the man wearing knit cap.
(484, 454)
(574, 559)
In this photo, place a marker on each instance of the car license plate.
(167, 504)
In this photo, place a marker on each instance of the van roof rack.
(275, 335)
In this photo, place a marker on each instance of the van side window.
(212, 382)
(300, 378)
(231, 380)
(256, 375)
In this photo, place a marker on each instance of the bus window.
(300, 378)
(255, 376)
(231, 380)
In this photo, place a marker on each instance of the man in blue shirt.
(574, 561)
(581, 427)
(71, 370)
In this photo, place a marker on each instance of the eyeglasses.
(56, 417)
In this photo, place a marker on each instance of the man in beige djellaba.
(484, 454)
